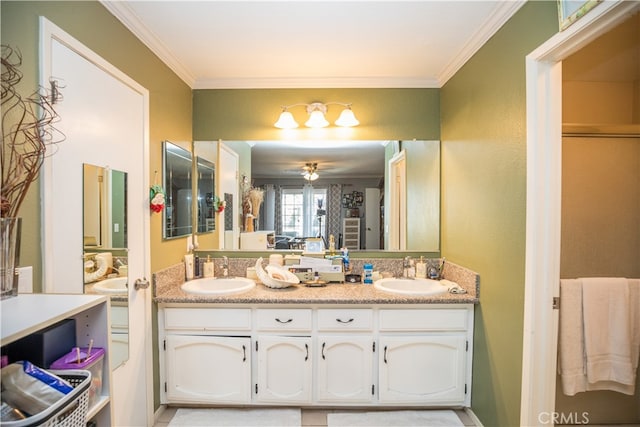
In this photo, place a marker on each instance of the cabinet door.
(284, 369)
(422, 369)
(345, 369)
(207, 369)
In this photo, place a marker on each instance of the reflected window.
(300, 208)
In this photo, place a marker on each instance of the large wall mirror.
(177, 166)
(105, 249)
(343, 189)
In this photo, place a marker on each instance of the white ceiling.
(213, 44)
(307, 44)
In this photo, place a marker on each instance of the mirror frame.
(172, 200)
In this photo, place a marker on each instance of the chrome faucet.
(409, 268)
(225, 266)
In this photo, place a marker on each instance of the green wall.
(483, 200)
(170, 100)
(170, 105)
(250, 114)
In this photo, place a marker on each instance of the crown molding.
(503, 12)
(129, 19)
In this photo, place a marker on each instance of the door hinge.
(465, 389)
(466, 346)
(374, 346)
(256, 345)
(256, 388)
(373, 389)
(165, 387)
(556, 303)
(164, 345)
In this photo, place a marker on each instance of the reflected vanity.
(105, 249)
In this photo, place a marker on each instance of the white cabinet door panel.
(345, 369)
(417, 369)
(284, 369)
(204, 369)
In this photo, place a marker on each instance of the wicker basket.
(267, 279)
(70, 411)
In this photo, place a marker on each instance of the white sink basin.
(113, 286)
(218, 286)
(410, 286)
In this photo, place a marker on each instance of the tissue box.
(94, 364)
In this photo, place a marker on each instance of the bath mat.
(435, 418)
(236, 417)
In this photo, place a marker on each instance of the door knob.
(141, 284)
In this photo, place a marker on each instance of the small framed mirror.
(206, 209)
(177, 164)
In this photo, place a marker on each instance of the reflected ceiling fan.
(310, 172)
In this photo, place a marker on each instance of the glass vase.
(10, 229)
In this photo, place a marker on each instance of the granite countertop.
(166, 289)
(299, 294)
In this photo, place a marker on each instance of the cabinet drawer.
(423, 320)
(207, 319)
(284, 319)
(345, 320)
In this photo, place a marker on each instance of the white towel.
(607, 332)
(599, 339)
(571, 360)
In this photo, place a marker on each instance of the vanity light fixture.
(310, 173)
(316, 111)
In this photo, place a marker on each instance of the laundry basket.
(70, 411)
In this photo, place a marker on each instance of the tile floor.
(310, 417)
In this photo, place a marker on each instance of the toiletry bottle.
(345, 260)
(207, 267)
(421, 269)
(188, 264)
(196, 267)
(332, 245)
(433, 272)
(368, 274)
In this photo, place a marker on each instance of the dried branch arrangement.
(27, 133)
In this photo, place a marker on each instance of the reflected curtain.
(278, 209)
(308, 210)
(334, 211)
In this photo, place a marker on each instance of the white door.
(284, 369)
(104, 117)
(228, 183)
(201, 369)
(398, 202)
(372, 218)
(345, 369)
(422, 369)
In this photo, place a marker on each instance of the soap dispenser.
(207, 267)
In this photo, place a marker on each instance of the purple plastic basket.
(70, 360)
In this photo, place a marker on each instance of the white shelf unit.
(351, 233)
(29, 313)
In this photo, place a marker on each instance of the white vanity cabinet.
(424, 356)
(344, 361)
(205, 355)
(316, 355)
